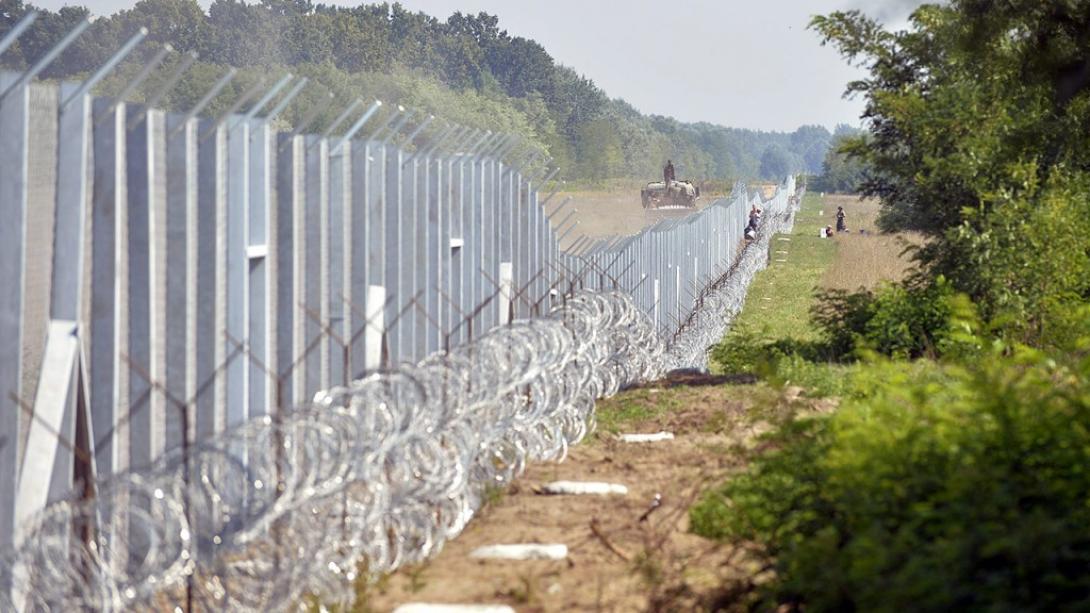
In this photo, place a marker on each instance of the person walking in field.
(840, 225)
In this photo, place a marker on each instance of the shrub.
(741, 352)
(964, 488)
(897, 320)
(842, 317)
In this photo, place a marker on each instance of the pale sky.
(746, 64)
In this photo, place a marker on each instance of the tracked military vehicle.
(675, 195)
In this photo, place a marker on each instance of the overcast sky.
(740, 63)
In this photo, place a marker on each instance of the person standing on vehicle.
(840, 225)
(668, 173)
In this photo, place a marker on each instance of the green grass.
(634, 407)
(779, 301)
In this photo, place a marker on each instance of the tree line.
(465, 68)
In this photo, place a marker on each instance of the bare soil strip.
(627, 553)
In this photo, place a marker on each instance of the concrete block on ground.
(646, 438)
(520, 552)
(583, 488)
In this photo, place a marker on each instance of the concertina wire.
(367, 478)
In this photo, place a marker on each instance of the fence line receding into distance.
(242, 366)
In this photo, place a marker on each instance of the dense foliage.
(466, 69)
(841, 172)
(961, 489)
(895, 320)
(957, 482)
(979, 126)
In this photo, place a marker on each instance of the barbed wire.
(380, 470)
(367, 478)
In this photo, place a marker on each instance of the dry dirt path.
(616, 561)
(611, 213)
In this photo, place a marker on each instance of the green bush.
(784, 361)
(898, 320)
(842, 318)
(961, 488)
(995, 171)
(741, 352)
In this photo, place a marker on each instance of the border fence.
(238, 362)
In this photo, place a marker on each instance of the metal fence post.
(394, 251)
(13, 201)
(453, 287)
(376, 235)
(260, 317)
(107, 195)
(336, 264)
(233, 267)
(283, 298)
(312, 278)
(137, 330)
(55, 395)
(413, 243)
(437, 251)
(181, 257)
(357, 242)
(207, 280)
(490, 264)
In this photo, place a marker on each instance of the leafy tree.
(181, 23)
(48, 29)
(993, 170)
(243, 34)
(387, 51)
(775, 162)
(840, 172)
(599, 150)
(947, 488)
(811, 143)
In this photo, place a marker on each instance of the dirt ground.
(616, 561)
(609, 213)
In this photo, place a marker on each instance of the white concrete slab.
(646, 438)
(520, 552)
(420, 607)
(583, 488)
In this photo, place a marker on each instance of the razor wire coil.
(367, 478)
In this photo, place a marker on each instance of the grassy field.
(865, 259)
(778, 304)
